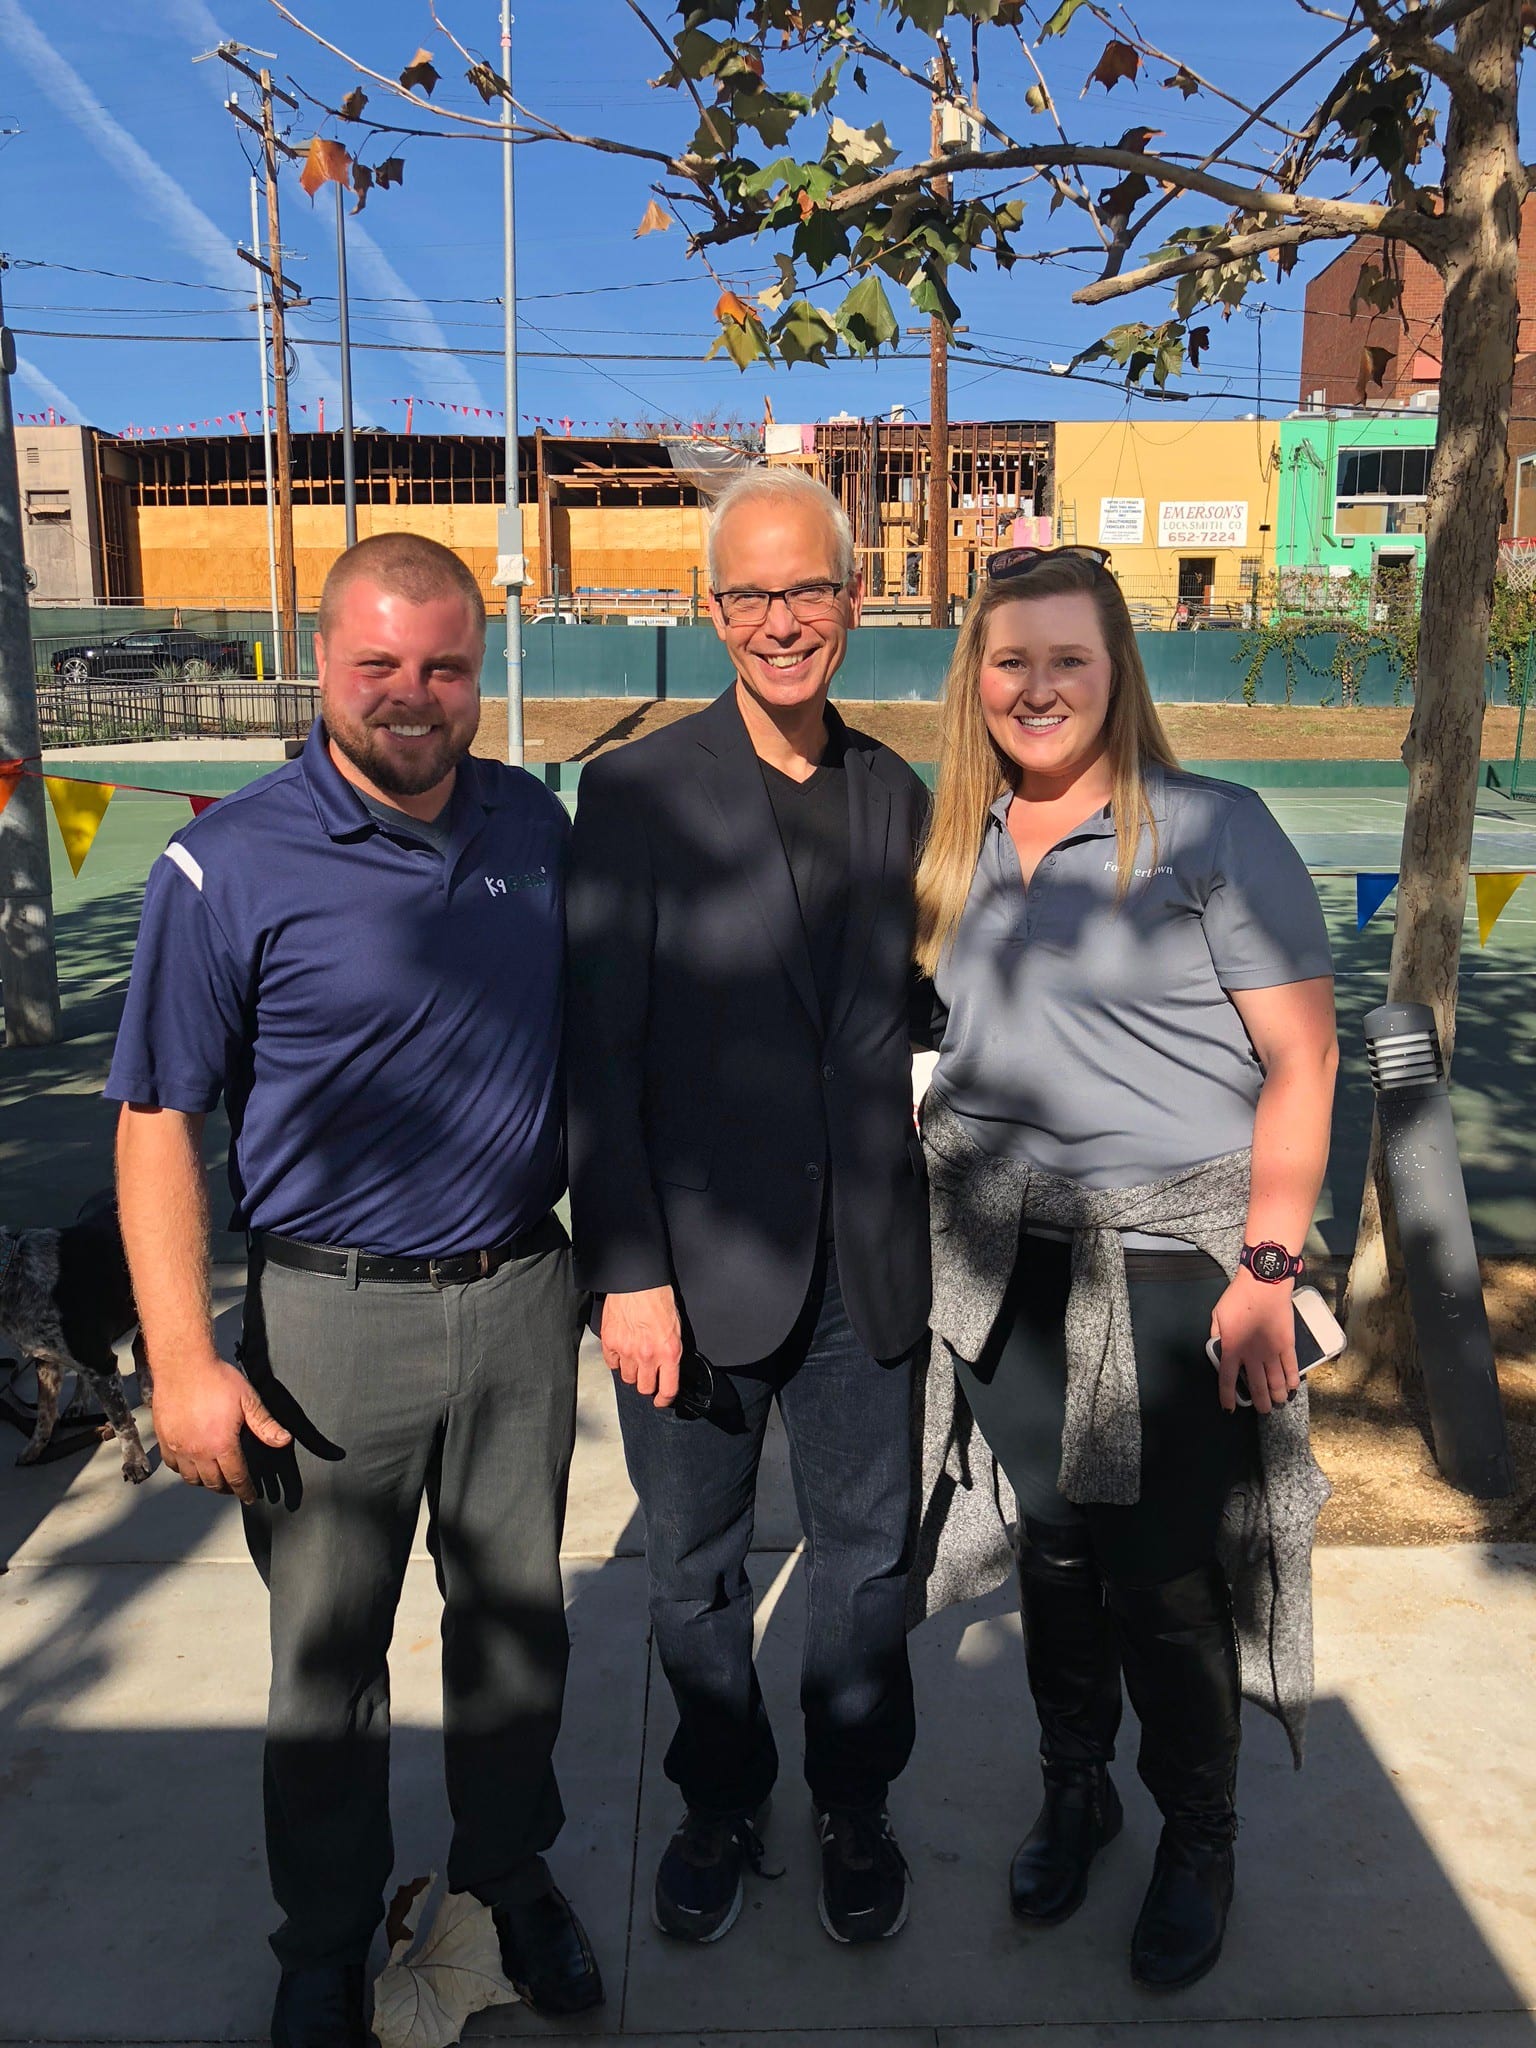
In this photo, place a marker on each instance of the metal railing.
(100, 714)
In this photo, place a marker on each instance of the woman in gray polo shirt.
(1126, 1136)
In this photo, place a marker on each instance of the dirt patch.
(575, 728)
(1376, 1451)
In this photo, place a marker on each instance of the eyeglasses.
(1019, 561)
(806, 601)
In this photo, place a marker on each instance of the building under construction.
(1000, 473)
(611, 526)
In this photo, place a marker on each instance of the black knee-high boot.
(1073, 1659)
(1180, 1658)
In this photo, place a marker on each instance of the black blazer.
(707, 1095)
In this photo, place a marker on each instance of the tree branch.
(1230, 141)
(1407, 33)
(705, 114)
(1393, 223)
(547, 130)
(1344, 218)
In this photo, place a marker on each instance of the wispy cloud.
(47, 390)
(207, 245)
(442, 375)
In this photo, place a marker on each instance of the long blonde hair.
(974, 772)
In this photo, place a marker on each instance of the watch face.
(1270, 1262)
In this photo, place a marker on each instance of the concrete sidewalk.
(1386, 1897)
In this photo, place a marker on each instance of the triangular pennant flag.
(1371, 891)
(1493, 894)
(10, 782)
(200, 803)
(79, 808)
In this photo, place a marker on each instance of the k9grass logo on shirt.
(506, 885)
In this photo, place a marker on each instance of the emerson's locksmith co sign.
(1202, 523)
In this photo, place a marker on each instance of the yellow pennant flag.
(1493, 894)
(79, 808)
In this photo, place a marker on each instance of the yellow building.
(1186, 507)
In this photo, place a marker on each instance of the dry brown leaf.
(351, 108)
(432, 1983)
(654, 221)
(362, 185)
(420, 71)
(1373, 367)
(390, 172)
(805, 203)
(325, 163)
(1118, 61)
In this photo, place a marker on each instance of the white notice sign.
(1122, 522)
(1203, 523)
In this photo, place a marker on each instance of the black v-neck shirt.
(812, 818)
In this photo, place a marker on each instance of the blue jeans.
(847, 1417)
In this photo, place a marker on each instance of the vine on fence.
(1368, 620)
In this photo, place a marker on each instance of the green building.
(1351, 504)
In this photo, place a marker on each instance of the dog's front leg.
(110, 1387)
(50, 1377)
(141, 1367)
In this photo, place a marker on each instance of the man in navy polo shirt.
(363, 953)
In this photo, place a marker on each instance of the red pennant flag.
(200, 804)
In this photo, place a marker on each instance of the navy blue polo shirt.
(381, 1017)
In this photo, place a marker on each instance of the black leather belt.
(334, 1263)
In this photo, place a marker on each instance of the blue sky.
(127, 163)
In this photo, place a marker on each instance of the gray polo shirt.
(1095, 1038)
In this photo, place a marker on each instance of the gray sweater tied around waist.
(968, 1516)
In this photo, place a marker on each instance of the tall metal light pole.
(28, 965)
(510, 568)
(266, 431)
(348, 451)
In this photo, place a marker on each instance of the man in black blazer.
(747, 1190)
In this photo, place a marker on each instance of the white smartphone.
(1319, 1337)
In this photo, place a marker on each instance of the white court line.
(775, 1594)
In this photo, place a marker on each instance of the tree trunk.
(1484, 187)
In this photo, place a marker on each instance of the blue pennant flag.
(1371, 891)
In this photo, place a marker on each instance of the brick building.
(1333, 339)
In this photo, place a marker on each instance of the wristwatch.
(1271, 1262)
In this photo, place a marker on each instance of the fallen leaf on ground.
(435, 1980)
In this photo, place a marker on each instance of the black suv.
(167, 655)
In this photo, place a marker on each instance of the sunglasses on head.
(1019, 561)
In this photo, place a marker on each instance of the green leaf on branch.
(1063, 15)
(804, 334)
(928, 15)
(931, 295)
(821, 239)
(864, 319)
(865, 149)
(742, 334)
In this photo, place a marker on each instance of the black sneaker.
(864, 1876)
(698, 1889)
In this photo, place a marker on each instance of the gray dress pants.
(464, 1395)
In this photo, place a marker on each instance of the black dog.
(65, 1300)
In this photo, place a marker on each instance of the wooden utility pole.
(284, 297)
(287, 585)
(938, 426)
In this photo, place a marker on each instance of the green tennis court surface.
(56, 1143)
